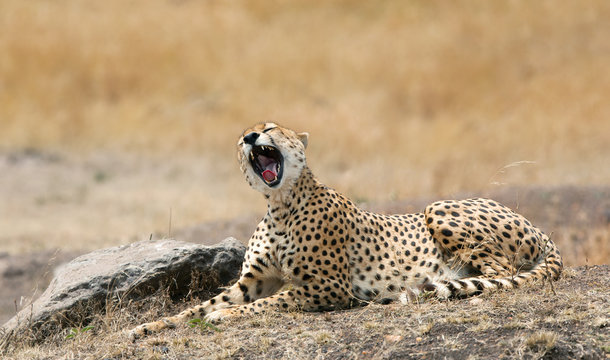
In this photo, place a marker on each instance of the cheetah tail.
(547, 267)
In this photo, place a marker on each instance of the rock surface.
(126, 272)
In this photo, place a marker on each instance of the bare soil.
(534, 322)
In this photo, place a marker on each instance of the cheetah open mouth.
(268, 163)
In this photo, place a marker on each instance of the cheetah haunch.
(334, 253)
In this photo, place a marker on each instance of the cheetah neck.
(280, 204)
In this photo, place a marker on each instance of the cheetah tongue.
(270, 165)
(269, 176)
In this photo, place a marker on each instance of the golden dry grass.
(416, 87)
(516, 324)
(400, 98)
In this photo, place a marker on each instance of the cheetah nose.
(251, 138)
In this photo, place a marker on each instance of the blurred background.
(118, 119)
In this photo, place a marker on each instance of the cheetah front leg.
(315, 296)
(246, 289)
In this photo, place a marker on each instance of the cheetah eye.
(269, 129)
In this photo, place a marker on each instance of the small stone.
(392, 338)
(475, 301)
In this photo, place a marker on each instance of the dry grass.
(541, 341)
(115, 114)
(434, 92)
(508, 324)
(143, 102)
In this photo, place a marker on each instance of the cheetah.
(335, 254)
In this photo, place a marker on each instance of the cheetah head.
(271, 157)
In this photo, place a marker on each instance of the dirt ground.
(569, 321)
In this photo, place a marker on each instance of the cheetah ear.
(303, 137)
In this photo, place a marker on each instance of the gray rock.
(126, 272)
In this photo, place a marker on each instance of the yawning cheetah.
(332, 252)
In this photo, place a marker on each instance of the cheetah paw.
(137, 333)
(149, 328)
(219, 315)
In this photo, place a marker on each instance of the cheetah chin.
(336, 255)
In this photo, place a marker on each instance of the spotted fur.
(335, 254)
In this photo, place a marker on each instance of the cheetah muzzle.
(335, 254)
